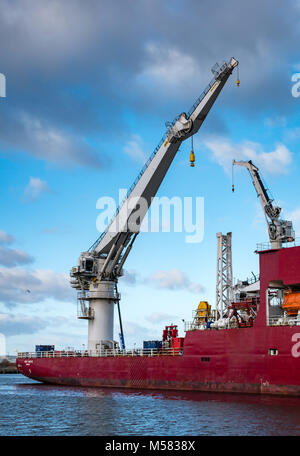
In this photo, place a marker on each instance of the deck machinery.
(284, 301)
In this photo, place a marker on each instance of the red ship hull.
(228, 360)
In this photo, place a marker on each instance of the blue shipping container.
(44, 348)
(148, 344)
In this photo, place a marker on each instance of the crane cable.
(232, 180)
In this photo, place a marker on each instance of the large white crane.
(280, 231)
(99, 268)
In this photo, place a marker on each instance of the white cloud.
(224, 151)
(135, 334)
(169, 280)
(134, 328)
(277, 161)
(35, 188)
(20, 324)
(6, 238)
(174, 280)
(294, 216)
(48, 138)
(14, 257)
(51, 230)
(277, 121)
(129, 277)
(292, 134)
(15, 324)
(160, 317)
(53, 30)
(42, 139)
(19, 286)
(168, 66)
(134, 148)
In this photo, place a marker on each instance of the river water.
(31, 408)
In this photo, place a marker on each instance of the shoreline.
(9, 370)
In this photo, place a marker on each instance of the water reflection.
(175, 395)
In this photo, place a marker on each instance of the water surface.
(31, 408)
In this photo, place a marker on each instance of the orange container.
(291, 302)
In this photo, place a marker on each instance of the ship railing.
(283, 321)
(267, 245)
(103, 353)
(192, 326)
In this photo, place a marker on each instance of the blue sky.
(90, 86)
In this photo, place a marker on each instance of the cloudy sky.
(90, 86)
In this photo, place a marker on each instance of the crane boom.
(99, 268)
(279, 230)
(120, 231)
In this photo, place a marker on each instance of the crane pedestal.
(102, 297)
(276, 244)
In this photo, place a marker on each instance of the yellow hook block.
(192, 158)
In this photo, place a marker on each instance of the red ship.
(250, 344)
(262, 358)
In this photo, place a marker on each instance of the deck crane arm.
(96, 275)
(279, 230)
(105, 259)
